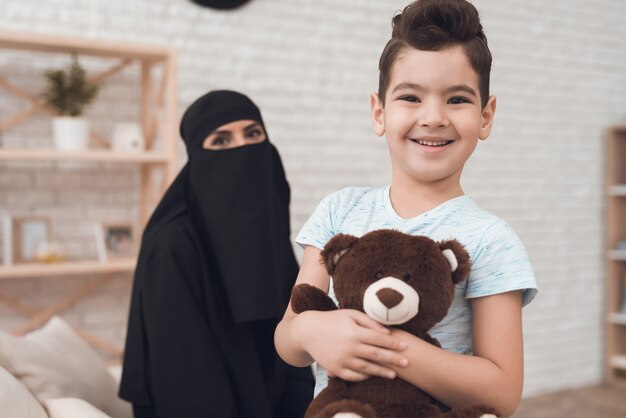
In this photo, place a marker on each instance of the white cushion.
(54, 362)
(16, 401)
(73, 408)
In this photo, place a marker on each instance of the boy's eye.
(410, 98)
(458, 100)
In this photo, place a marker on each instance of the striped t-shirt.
(499, 260)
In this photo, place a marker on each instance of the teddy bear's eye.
(379, 275)
(406, 276)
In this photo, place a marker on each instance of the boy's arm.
(493, 375)
(347, 343)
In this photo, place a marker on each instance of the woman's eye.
(379, 275)
(458, 100)
(220, 140)
(254, 133)
(406, 276)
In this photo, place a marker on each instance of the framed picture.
(28, 233)
(119, 239)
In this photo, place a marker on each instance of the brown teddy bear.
(399, 280)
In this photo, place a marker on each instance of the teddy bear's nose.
(389, 297)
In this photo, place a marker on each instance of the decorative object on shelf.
(128, 137)
(119, 239)
(100, 247)
(49, 251)
(221, 4)
(68, 92)
(28, 233)
(7, 240)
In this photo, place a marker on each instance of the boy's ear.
(378, 114)
(335, 249)
(486, 116)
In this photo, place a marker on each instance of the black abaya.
(212, 281)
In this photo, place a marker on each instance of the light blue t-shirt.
(499, 260)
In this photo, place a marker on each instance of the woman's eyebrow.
(222, 132)
(252, 125)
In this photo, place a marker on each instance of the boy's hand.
(351, 345)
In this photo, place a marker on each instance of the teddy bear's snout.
(391, 301)
(389, 297)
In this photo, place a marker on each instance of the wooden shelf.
(619, 362)
(617, 255)
(617, 318)
(617, 190)
(117, 265)
(82, 46)
(615, 227)
(158, 116)
(94, 155)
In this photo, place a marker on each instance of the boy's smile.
(432, 116)
(432, 143)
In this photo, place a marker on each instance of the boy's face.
(432, 117)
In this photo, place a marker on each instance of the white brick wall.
(559, 73)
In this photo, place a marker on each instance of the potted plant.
(68, 92)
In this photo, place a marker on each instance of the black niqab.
(217, 251)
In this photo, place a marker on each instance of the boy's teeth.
(432, 143)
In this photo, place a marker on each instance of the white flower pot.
(70, 133)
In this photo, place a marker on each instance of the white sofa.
(53, 373)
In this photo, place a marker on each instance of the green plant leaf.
(68, 91)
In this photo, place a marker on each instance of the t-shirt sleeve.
(318, 229)
(501, 264)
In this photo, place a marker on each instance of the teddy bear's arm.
(431, 340)
(305, 297)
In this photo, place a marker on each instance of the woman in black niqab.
(213, 279)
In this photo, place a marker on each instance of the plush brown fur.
(355, 263)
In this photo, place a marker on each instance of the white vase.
(70, 133)
(127, 137)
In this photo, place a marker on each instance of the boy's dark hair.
(432, 25)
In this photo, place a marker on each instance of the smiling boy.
(432, 106)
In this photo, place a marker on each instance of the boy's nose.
(432, 115)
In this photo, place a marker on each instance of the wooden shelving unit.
(68, 268)
(157, 163)
(96, 155)
(615, 152)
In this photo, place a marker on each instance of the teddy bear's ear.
(334, 249)
(458, 258)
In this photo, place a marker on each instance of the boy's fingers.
(351, 375)
(372, 369)
(377, 339)
(382, 356)
(365, 321)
